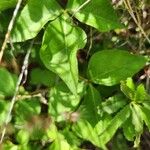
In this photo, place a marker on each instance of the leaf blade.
(58, 53)
(120, 66)
(33, 17)
(96, 13)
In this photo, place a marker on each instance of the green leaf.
(137, 140)
(90, 107)
(26, 109)
(60, 143)
(26, 147)
(113, 104)
(4, 107)
(85, 131)
(141, 94)
(44, 77)
(128, 129)
(146, 116)
(33, 17)
(137, 120)
(109, 67)
(127, 90)
(23, 136)
(60, 44)
(71, 138)
(130, 84)
(96, 13)
(62, 101)
(5, 4)
(119, 142)
(9, 146)
(114, 124)
(7, 83)
(104, 122)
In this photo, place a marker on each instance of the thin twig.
(39, 95)
(91, 43)
(10, 26)
(148, 79)
(24, 67)
(130, 10)
(80, 7)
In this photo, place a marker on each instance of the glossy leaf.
(60, 44)
(96, 13)
(33, 17)
(109, 67)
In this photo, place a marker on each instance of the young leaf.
(130, 84)
(85, 131)
(128, 129)
(114, 124)
(33, 17)
(90, 106)
(137, 120)
(109, 67)
(141, 94)
(127, 90)
(60, 44)
(113, 104)
(96, 13)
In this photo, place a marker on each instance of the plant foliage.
(79, 93)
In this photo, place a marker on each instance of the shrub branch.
(23, 73)
(10, 27)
